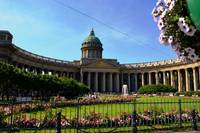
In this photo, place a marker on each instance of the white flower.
(176, 47)
(160, 9)
(189, 50)
(190, 31)
(155, 12)
(193, 57)
(184, 27)
(167, 2)
(180, 53)
(181, 22)
(170, 40)
(163, 39)
(161, 24)
(160, 3)
(164, 13)
(172, 4)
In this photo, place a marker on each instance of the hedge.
(155, 89)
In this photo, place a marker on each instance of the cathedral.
(100, 74)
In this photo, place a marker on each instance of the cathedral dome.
(92, 40)
(92, 47)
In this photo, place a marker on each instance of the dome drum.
(92, 47)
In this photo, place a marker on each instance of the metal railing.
(105, 117)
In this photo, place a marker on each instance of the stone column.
(157, 78)
(129, 81)
(117, 82)
(111, 83)
(164, 78)
(104, 82)
(179, 81)
(150, 81)
(74, 75)
(199, 77)
(142, 79)
(195, 79)
(172, 78)
(81, 74)
(38, 71)
(187, 80)
(88, 80)
(122, 78)
(136, 82)
(96, 82)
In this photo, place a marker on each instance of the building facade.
(103, 75)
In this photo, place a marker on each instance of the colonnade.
(184, 79)
(101, 81)
(43, 71)
(187, 79)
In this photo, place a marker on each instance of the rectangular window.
(2, 37)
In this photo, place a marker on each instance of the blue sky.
(51, 29)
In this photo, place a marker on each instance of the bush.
(154, 89)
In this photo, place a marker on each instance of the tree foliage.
(15, 81)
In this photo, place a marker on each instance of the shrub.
(154, 89)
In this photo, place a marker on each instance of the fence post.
(134, 118)
(194, 121)
(58, 122)
(180, 112)
(12, 113)
(77, 116)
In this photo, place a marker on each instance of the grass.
(111, 110)
(156, 103)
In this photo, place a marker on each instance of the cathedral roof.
(92, 39)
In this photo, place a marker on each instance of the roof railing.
(43, 57)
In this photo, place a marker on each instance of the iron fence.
(104, 116)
